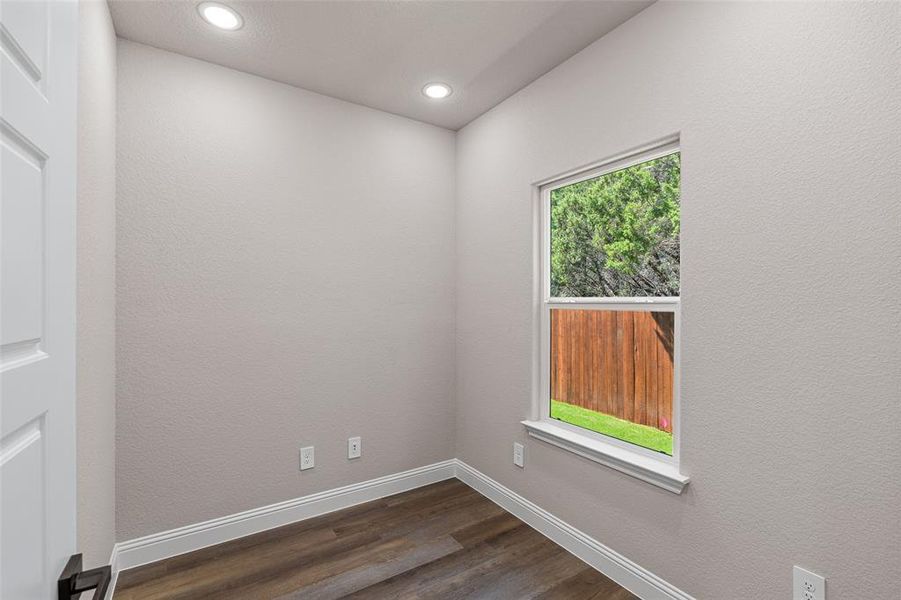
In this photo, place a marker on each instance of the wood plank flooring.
(440, 541)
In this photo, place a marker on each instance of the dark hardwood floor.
(441, 541)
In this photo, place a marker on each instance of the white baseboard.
(159, 546)
(617, 567)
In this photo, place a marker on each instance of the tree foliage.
(618, 234)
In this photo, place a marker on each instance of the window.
(610, 309)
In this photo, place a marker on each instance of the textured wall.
(285, 277)
(96, 294)
(791, 250)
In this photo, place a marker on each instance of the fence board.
(616, 362)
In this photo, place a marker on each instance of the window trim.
(654, 467)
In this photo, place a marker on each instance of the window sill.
(631, 463)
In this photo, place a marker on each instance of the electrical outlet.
(518, 454)
(354, 447)
(807, 585)
(307, 460)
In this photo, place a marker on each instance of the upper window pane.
(617, 235)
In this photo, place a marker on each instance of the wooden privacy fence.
(615, 362)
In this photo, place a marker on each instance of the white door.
(38, 78)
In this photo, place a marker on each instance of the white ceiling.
(381, 53)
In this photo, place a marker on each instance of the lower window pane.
(612, 373)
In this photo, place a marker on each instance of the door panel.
(38, 79)
(22, 503)
(21, 248)
(25, 34)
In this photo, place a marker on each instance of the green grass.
(641, 435)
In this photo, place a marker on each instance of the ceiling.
(381, 53)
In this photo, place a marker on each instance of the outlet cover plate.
(807, 585)
(307, 458)
(518, 451)
(354, 447)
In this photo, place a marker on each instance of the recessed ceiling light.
(437, 91)
(220, 16)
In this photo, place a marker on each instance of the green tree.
(618, 234)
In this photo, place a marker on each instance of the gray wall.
(96, 293)
(791, 249)
(285, 278)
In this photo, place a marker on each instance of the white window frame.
(648, 465)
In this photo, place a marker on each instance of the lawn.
(641, 435)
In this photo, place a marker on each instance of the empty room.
(450, 299)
